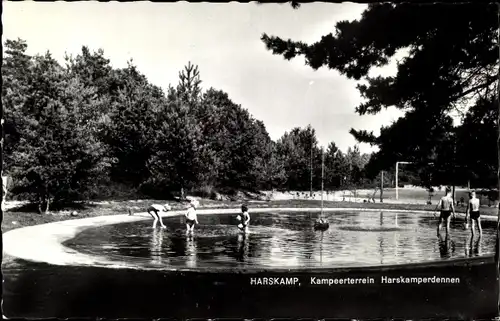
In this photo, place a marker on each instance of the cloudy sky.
(224, 41)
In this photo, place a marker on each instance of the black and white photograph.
(250, 160)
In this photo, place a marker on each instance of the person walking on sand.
(191, 217)
(447, 209)
(154, 209)
(473, 212)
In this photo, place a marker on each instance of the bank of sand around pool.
(44, 243)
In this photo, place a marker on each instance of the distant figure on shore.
(191, 217)
(473, 211)
(154, 209)
(244, 218)
(447, 209)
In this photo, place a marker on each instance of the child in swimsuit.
(245, 219)
(154, 209)
(446, 207)
(473, 210)
(191, 217)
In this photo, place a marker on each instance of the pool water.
(286, 240)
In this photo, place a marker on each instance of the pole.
(381, 187)
(322, 178)
(311, 187)
(454, 170)
(397, 170)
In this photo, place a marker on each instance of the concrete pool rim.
(44, 244)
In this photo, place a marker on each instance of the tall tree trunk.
(4, 184)
(43, 205)
(47, 205)
(381, 186)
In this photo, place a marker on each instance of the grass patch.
(22, 216)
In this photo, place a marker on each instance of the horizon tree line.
(86, 130)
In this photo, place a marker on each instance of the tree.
(188, 89)
(356, 163)
(182, 156)
(294, 4)
(130, 132)
(476, 137)
(273, 173)
(57, 159)
(334, 167)
(17, 76)
(294, 148)
(176, 162)
(258, 150)
(242, 147)
(214, 116)
(452, 62)
(93, 70)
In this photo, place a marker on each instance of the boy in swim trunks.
(473, 210)
(447, 208)
(154, 209)
(245, 219)
(191, 217)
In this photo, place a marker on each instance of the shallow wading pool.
(284, 240)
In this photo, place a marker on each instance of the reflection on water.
(190, 251)
(243, 246)
(446, 246)
(473, 246)
(156, 245)
(287, 240)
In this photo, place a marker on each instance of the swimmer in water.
(473, 211)
(154, 209)
(244, 218)
(447, 208)
(191, 217)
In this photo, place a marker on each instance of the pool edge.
(44, 244)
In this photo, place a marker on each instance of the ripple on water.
(372, 228)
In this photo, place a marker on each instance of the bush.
(205, 191)
(158, 191)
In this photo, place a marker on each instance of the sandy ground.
(406, 195)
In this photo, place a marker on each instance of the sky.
(224, 41)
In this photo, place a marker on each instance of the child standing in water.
(244, 218)
(191, 217)
(473, 210)
(447, 208)
(154, 209)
